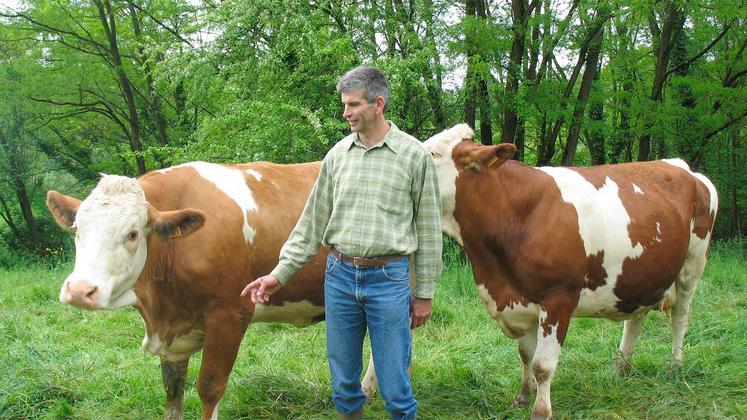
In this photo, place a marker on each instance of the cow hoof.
(520, 402)
(621, 366)
(173, 414)
(541, 416)
(370, 392)
(674, 369)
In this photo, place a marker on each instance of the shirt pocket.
(393, 194)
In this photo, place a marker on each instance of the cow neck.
(158, 263)
(508, 190)
(509, 194)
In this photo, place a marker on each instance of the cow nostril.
(81, 293)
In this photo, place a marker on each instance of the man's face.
(359, 113)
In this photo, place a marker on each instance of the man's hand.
(260, 290)
(421, 311)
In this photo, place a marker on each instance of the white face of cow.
(110, 245)
(441, 145)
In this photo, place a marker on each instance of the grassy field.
(60, 362)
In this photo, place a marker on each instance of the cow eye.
(132, 236)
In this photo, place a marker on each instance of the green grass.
(61, 362)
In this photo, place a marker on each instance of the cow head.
(454, 151)
(111, 228)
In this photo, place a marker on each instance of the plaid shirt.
(370, 202)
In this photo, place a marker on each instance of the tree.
(130, 85)
(17, 169)
(590, 69)
(664, 38)
(476, 83)
(547, 144)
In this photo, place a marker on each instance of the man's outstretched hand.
(260, 290)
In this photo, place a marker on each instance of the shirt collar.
(392, 139)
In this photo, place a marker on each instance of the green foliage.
(241, 81)
(247, 134)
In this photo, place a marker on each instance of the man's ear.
(174, 224)
(380, 103)
(492, 156)
(63, 208)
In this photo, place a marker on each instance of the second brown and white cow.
(547, 244)
(180, 244)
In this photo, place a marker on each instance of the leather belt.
(364, 261)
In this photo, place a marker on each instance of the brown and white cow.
(180, 244)
(549, 243)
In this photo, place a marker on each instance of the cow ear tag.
(494, 156)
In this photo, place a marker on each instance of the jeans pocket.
(397, 270)
(331, 263)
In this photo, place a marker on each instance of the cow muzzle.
(81, 294)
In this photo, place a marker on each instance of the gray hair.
(371, 80)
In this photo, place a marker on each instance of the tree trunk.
(7, 215)
(432, 74)
(24, 201)
(407, 44)
(590, 69)
(664, 40)
(596, 142)
(530, 73)
(155, 103)
(389, 32)
(486, 129)
(470, 79)
(623, 139)
(107, 18)
(735, 224)
(513, 73)
(547, 145)
(373, 13)
(17, 176)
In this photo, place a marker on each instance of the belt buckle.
(356, 259)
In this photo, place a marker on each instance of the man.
(375, 202)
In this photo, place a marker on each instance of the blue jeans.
(377, 299)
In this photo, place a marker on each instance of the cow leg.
(553, 326)
(685, 286)
(631, 330)
(369, 382)
(527, 345)
(174, 375)
(222, 339)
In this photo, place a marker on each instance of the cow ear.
(494, 156)
(174, 224)
(63, 208)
